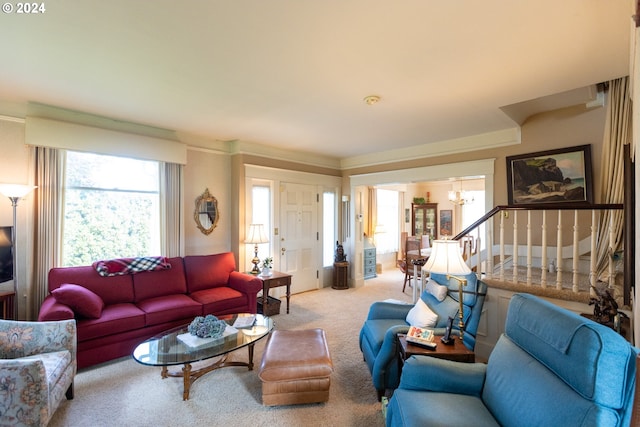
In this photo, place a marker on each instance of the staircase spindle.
(544, 260)
(489, 237)
(592, 260)
(576, 252)
(559, 252)
(502, 246)
(529, 249)
(514, 254)
(612, 242)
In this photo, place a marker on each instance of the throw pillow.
(57, 312)
(437, 290)
(81, 300)
(421, 316)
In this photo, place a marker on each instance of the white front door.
(299, 235)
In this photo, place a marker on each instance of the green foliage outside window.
(111, 209)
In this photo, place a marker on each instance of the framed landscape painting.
(446, 225)
(554, 176)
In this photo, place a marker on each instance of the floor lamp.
(15, 192)
(446, 259)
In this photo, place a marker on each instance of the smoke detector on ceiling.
(371, 99)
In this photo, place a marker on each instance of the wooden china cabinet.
(424, 219)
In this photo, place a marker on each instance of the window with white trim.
(111, 208)
(386, 232)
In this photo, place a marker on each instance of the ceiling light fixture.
(371, 99)
(460, 197)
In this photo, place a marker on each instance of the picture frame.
(446, 222)
(563, 176)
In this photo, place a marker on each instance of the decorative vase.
(266, 271)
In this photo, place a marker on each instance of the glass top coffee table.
(177, 347)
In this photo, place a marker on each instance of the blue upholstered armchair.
(379, 334)
(551, 367)
(37, 368)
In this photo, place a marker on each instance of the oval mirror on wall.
(206, 212)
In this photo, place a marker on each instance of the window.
(328, 228)
(386, 234)
(261, 214)
(111, 208)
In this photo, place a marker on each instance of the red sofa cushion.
(52, 310)
(208, 271)
(115, 319)
(81, 300)
(112, 290)
(169, 308)
(152, 284)
(216, 300)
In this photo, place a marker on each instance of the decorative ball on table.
(207, 327)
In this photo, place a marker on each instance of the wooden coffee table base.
(189, 375)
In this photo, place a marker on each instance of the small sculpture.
(605, 307)
(605, 310)
(340, 255)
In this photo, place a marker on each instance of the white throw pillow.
(437, 290)
(421, 316)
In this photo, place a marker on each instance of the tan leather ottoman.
(295, 368)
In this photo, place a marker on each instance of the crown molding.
(500, 138)
(292, 155)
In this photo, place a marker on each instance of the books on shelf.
(419, 335)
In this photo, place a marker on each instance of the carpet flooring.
(125, 393)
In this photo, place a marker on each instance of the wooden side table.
(276, 279)
(457, 352)
(6, 299)
(340, 275)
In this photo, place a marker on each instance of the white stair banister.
(545, 258)
(576, 254)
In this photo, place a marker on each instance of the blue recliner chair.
(379, 334)
(551, 367)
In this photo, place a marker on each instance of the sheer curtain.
(171, 212)
(617, 133)
(372, 212)
(48, 166)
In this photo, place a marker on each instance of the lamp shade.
(257, 234)
(445, 258)
(15, 190)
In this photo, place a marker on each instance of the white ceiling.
(293, 74)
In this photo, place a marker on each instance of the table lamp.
(446, 259)
(256, 236)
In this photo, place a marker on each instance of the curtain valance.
(41, 132)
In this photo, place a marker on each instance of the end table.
(6, 299)
(457, 352)
(276, 279)
(340, 274)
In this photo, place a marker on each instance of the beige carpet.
(125, 393)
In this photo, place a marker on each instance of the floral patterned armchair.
(37, 368)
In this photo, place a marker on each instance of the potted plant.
(267, 263)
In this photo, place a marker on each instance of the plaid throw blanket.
(121, 266)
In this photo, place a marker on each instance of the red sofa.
(116, 313)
